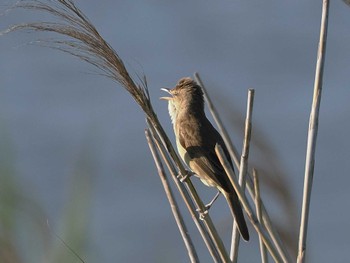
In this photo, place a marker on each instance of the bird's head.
(187, 94)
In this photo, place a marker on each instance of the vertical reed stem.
(312, 134)
(243, 170)
(259, 214)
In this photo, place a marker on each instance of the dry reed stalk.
(243, 169)
(312, 134)
(257, 202)
(185, 196)
(245, 204)
(173, 204)
(209, 225)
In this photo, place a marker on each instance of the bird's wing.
(200, 146)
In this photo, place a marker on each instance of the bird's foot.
(202, 214)
(183, 178)
(212, 201)
(207, 207)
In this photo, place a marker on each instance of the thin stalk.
(271, 230)
(248, 209)
(243, 170)
(208, 223)
(173, 204)
(250, 185)
(219, 245)
(257, 201)
(312, 134)
(186, 197)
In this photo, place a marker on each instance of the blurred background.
(74, 163)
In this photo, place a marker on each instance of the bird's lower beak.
(168, 91)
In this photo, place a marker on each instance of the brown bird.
(196, 139)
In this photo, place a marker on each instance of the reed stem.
(243, 169)
(173, 204)
(312, 134)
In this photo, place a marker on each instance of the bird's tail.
(236, 210)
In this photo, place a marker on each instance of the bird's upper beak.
(169, 92)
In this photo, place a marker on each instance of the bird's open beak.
(169, 92)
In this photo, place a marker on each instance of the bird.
(196, 139)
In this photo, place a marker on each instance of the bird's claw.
(202, 214)
(207, 207)
(183, 178)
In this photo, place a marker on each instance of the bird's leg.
(212, 201)
(183, 178)
(207, 207)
